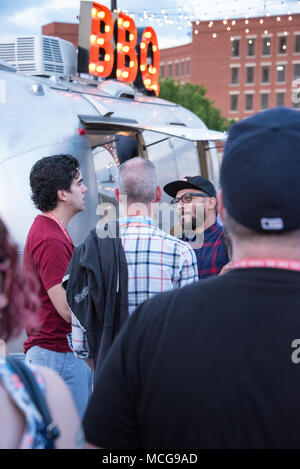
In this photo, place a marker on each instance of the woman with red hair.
(21, 422)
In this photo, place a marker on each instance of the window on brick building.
(249, 102)
(169, 70)
(280, 97)
(162, 70)
(250, 74)
(282, 44)
(265, 73)
(188, 63)
(266, 46)
(183, 68)
(235, 48)
(234, 76)
(251, 47)
(234, 102)
(176, 69)
(264, 101)
(281, 73)
(297, 43)
(296, 73)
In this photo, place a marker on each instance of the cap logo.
(272, 224)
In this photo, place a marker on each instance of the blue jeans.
(76, 374)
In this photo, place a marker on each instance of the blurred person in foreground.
(216, 364)
(20, 422)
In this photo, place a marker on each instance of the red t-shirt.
(47, 254)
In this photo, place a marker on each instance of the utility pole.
(113, 5)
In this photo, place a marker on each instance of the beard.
(191, 223)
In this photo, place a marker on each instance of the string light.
(184, 17)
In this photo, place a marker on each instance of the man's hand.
(226, 268)
(90, 363)
(58, 298)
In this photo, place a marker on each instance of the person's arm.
(51, 261)
(58, 298)
(226, 268)
(63, 411)
(90, 446)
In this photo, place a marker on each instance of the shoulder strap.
(35, 393)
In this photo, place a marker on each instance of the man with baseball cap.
(195, 201)
(217, 364)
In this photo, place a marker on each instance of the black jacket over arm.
(96, 284)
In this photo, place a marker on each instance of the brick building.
(246, 65)
(67, 31)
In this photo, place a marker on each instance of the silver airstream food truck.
(97, 122)
(47, 108)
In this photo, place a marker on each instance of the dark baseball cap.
(194, 182)
(260, 171)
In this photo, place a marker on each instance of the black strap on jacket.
(49, 430)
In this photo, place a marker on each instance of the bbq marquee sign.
(110, 46)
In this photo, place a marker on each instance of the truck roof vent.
(117, 89)
(39, 55)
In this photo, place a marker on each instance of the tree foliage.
(193, 97)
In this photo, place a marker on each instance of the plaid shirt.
(212, 255)
(156, 262)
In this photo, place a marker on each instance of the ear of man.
(212, 203)
(158, 194)
(62, 195)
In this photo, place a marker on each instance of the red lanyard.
(270, 263)
(63, 229)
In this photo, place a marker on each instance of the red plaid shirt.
(212, 255)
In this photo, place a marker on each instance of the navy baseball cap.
(194, 182)
(260, 171)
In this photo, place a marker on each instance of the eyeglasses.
(187, 198)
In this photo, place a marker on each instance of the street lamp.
(113, 5)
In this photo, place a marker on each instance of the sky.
(171, 19)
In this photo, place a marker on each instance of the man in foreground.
(58, 192)
(213, 365)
